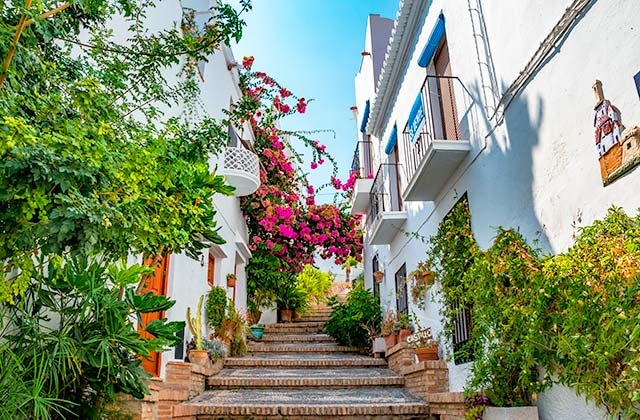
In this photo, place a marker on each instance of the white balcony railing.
(242, 170)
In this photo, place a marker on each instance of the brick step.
(294, 330)
(305, 378)
(296, 324)
(344, 404)
(309, 360)
(297, 338)
(318, 318)
(298, 348)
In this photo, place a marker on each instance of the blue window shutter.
(434, 39)
(365, 117)
(393, 139)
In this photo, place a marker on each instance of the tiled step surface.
(304, 378)
(298, 338)
(310, 360)
(391, 403)
(298, 347)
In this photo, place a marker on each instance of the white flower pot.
(511, 413)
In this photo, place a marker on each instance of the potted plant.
(403, 327)
(231, 280)
(288, 299)
(215, 350)
(424, 345)
(258, 300)
(389, 318)
(233, 331)
(378, 276)
(198, 355)
(257, 330)
(422, 278)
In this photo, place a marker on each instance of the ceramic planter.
(257, 331)
(231, 282)
(427, 353)
(199, 357)
(403, 334)
(510, 413)
(391, 340)
(379, 345)
(378, 276)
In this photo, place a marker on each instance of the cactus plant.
(195, 324)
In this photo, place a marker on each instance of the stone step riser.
(299, 349)
(255, 362)
(294, 331)
(297, 383)
(297, 338)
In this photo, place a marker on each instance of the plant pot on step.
(296, 316)
(391, 340)
(257, 331)
(199, 357)
(511, 413)
(403, 334)
(427, 353)
(286, 315)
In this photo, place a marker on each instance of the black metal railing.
(362, 163)
(439, 96)
(385, 194)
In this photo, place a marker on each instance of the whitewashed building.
(181, 277)
(494, 100)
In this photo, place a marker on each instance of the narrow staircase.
(297, 372)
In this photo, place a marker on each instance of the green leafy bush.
(354, 321)
(74, 328)
(216, 307)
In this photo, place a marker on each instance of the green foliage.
(234, 330)
(354, 321)
(216, 307)
(292, 297)
(591, 299)
(453, 249)
(315, 282)
(77, 343)
(504, 286)
(215, 348)
(88, 164)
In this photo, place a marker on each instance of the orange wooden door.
(156, 282)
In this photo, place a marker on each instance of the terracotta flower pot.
(427, 353)
(391, 340)
(231, 282)
(403, 334)
(199, 357)
(378, 276)
(285, 315)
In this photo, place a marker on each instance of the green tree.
(88, 164)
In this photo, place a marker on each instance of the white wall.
(539, 171)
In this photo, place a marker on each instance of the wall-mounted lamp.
(365, 53)
(354, 111)
(202, 260)
(232, 65)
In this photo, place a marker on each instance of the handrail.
(385, 194)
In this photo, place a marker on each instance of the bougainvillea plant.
(283, 217)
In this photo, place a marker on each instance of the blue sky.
(313, 47)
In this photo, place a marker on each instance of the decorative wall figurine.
(610, 142)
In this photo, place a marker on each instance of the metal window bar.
(462, 351)
(402, 298)
(361, 163)
(384, 195)
(439, 101)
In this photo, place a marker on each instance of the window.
(402, 300)
(375, 266)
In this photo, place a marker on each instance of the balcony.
(386, 218)
(242, 170)
(434, 144)
(361, 165)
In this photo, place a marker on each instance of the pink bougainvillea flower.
(314, 165)
(285, 93)
(301, 106)
(247, 62)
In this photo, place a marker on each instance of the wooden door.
(156, 282)
(448, 111)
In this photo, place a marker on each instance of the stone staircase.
(297, 372)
